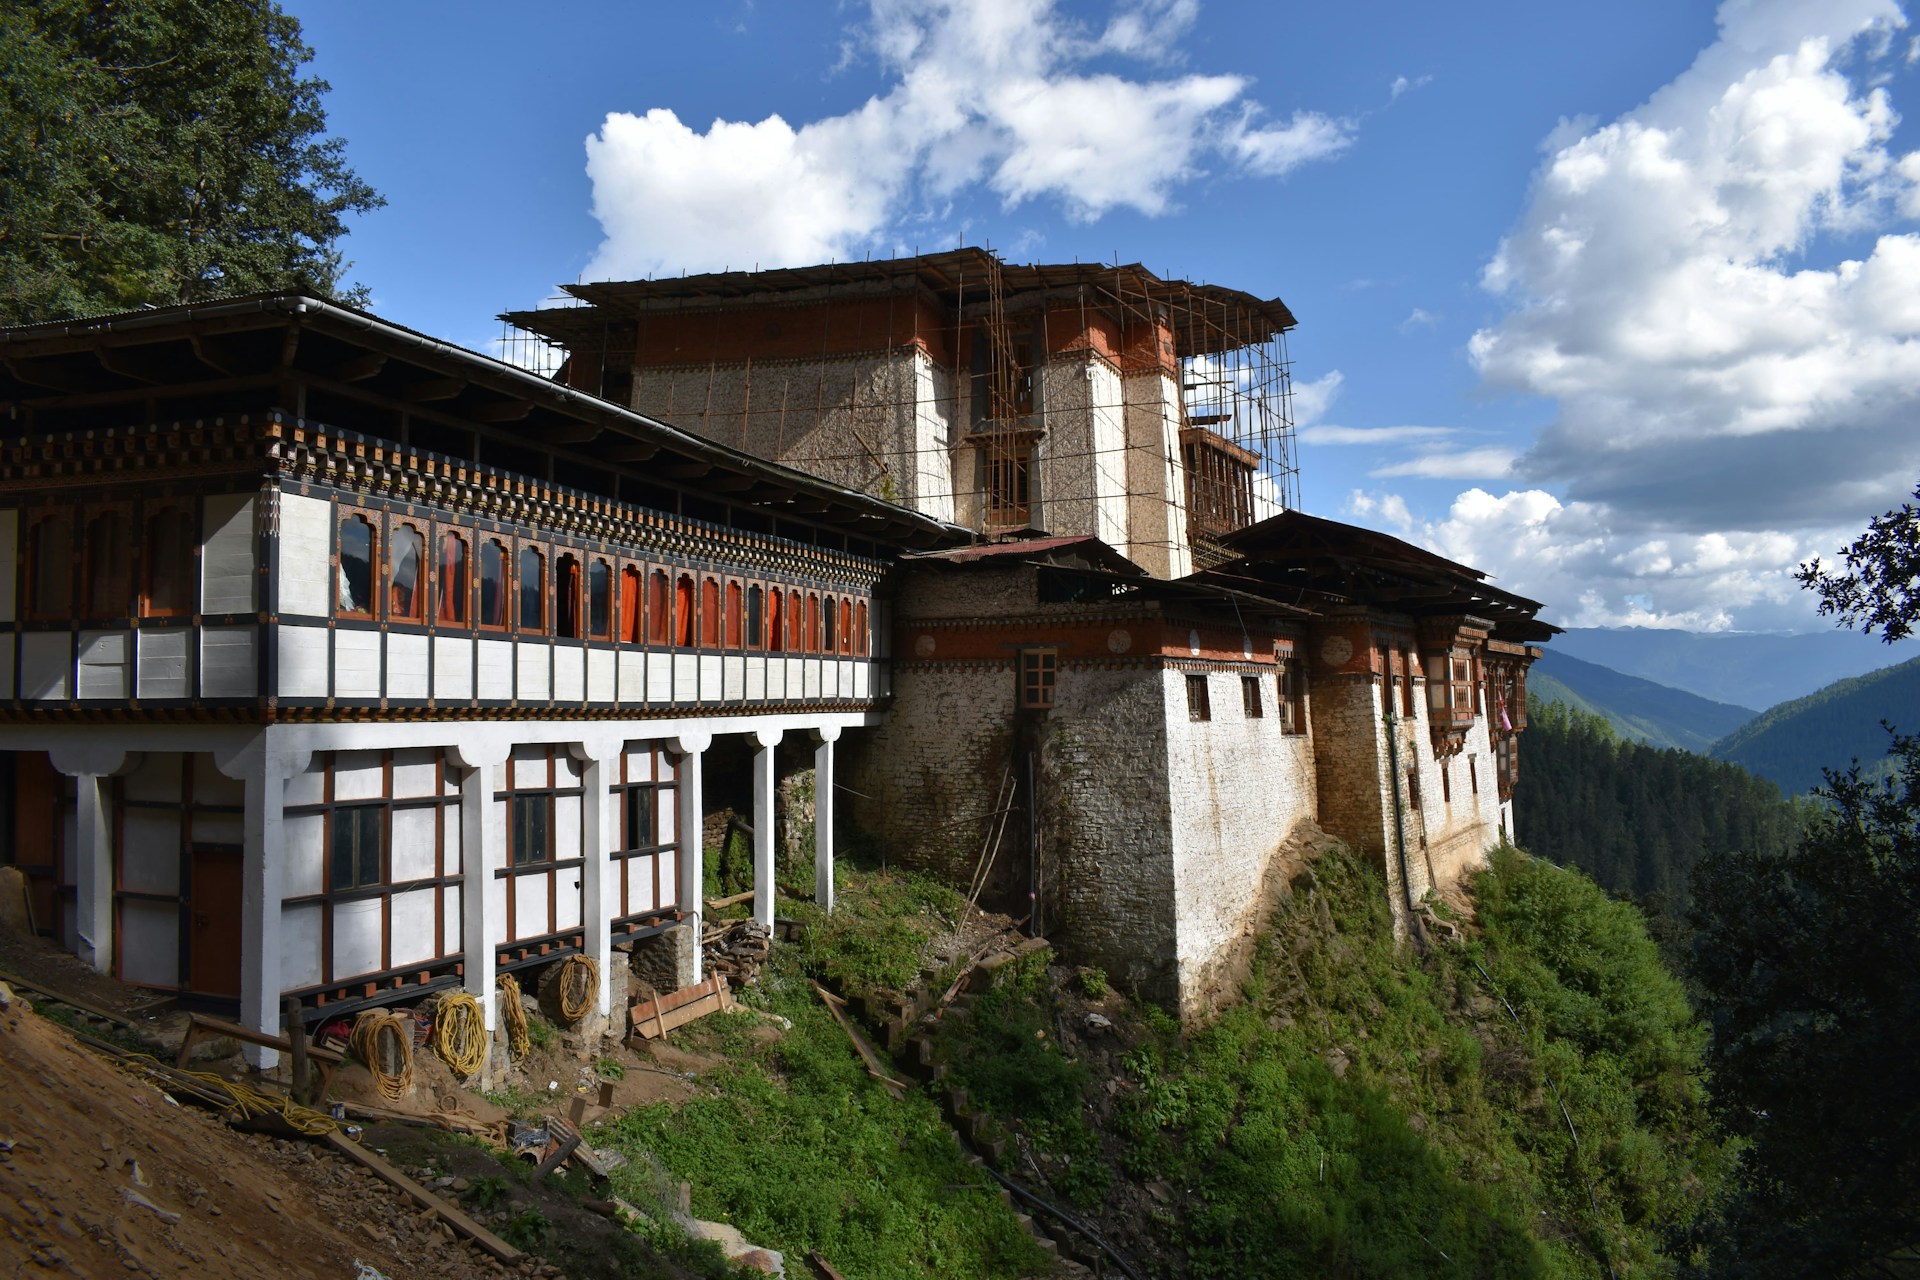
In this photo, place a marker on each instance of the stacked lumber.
(654, 1017)
(736, 949)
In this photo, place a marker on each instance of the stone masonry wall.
(1239, 787)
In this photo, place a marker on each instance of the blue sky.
(1621, 303)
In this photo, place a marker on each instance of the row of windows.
(93, 569)
(530, 588)
(1289, 693)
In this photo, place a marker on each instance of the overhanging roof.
(166, 360)
(1224, 318)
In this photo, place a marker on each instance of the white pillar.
(262, 766)
(482, 852)
(766, 788)
(599, 831)
(90, 765)
(691, 873)
(823, 816)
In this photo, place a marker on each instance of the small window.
(709, 613)
(406, 551)
(356, 567)
(1409, 704)
(756, 617)
(529, 833)
(599, 599)
(658, 621)
(493, 585)
(1250, 697)
(533, 592)
(776, 634)
(733, 615)
(1038, 668)
(356, 847)
(860, 644)
(109, 581)
(683, 611)
(1446, 782)
(812, 644)
(630, 604)
(168, 550)
(637, 817)
(796, 622)
(1198, 706)
(566, 604)
(450, 581)
(50, 567)
(1473, 775)
(829, 641)
(846, 626)
(1291, 693)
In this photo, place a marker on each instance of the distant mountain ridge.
(1639, 710)
(1746, 669)
(1791, 743)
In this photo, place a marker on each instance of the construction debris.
(654, 1017)
(736, 949)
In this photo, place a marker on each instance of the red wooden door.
(213, 921)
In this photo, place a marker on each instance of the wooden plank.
(200, 1025)
(652, 1019)
(821, 1265)
(875, 1067)
(453, 1217)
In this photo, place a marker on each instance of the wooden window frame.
(376, 579)
(185, 516)
(631, 622)
(569, 595)
(1251, 703)
(1039, 675)
(776, 619)
(732, 631)
(1199, 699)
(418, 614)
(120, 556)
(685, 597)
(461, 593)
(709, 629)
(862, 642)
(659, 609)
(756, 616)
(663, 797)
(508, 600)
(34, 601)
(796, 622)
(542, 555)
(609, 609)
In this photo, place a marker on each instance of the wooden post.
(297, 1038)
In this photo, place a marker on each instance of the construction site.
(1080, 399)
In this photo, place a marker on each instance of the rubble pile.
(735, 948)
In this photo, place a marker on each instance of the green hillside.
(1792, 742)
(1639, 710)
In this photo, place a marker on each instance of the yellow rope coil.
(246, 1100)
(515, 1014)
(384, 1041)
(460, 1033)
(579, 985)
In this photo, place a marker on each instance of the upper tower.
(1153, 414)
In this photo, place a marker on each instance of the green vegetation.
(1796, 741)
(159, 151)
(795, 1144)
(1635, 818)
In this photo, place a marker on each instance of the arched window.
(709, 613)
(629, 606)
(450, 581)
(109, 573)
(756, 633)
(355, 585)
(168, 550)
(846, 626)
(683, 611)
(733, 615)
(493, 584)
(796, 623)
(566, 611)
(813, 623)
(659, 619)
(829, 616)
(50, 567)
(860, 628)
(776, 621)
(599, 599)
(532, 614)
(406, 555)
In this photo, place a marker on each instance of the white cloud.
(1373, 437)
(1487, 462)
(980, 93)
(1577, 558)
(1312, 399)
(1402, 85)
(1418, 318)
(1667, 286)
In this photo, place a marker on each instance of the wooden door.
(213, 921)
(33, 791)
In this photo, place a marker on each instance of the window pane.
(50, 562)
(860, 629)
(776, 637)
(533, 600)
(452, 582)
(831, 631)
(169, 554)
(733, 615)
(108, 579)
(356, 566)
(369, 842)
(530, 830)
(403, 595)
(657, 620)
(599, 599)
(639, 818)
(354, 860)
(709, 613)
(629, 605)
(683, 612)
(755, 631)
(493, 584)
(566, 614)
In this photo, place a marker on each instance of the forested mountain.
(1746, 669)
(1794, 741)
(1637, 818)
(1639, 710)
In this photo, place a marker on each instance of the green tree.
(163, 151)
(1881, 585)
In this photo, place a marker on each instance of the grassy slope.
(1367, 1112)
(1639, 710)
(1792, 742)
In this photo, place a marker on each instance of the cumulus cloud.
(1673, 284)
(1312, 399)
(1591, 570)
(995, 94)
